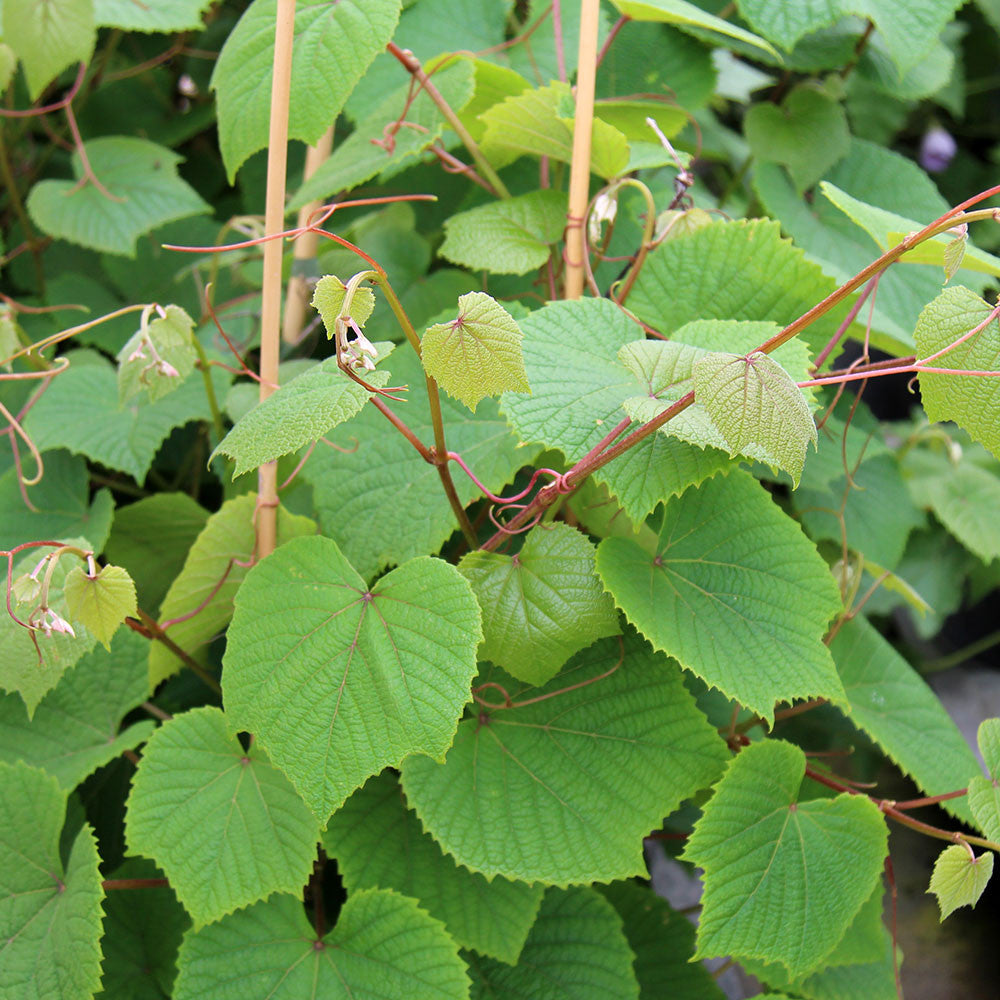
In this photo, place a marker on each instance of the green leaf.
(374, 829)
(101, 602)
(8, 63)
(146, 192)
(984, 793)
(515, 795)
(328, 300)
(63, 508)
(542, 605)
(890, 702)
(151, 538)
(384, 945)
(959, 877)
(142, 932)
(29, 669)
(158, 358)
(540, 122)
(954, 254)
(367, 676)
(576, 948)
(162, 16)
(745, 610)
(755, 404)
(120, 437)
(663, 943)
(297, 414)
(786, 23)
(808, 134)
(215, 567)
(50, 913)
(773, 863)
(333, 46)
(358, 158)
(506, 237)
(972, 402)
(48, 36)
(478, 353)
(224, 825)
(683, 13)
(75, 728)
(365, 499)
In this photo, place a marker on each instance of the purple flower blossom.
(937, 150)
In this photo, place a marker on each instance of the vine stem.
(274, 213)
(148, 627)
(110, 884)
(583, 121)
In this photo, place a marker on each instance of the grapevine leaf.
(576, 947)
(745, 610)
(663, 943)
(954, 254)
(156, 360)
(164, 15)
(808, 133)
(224, 825)
(50, 913)
(374, 829)
(959, 878)
(146, 192)
(786, 23)
(333, 46)
(75, 728)
(367, 676)
(48, 37)
(365, 498)
(984, 793)
(506, 237)
(754, 403)
(892, 703)
(515, 794)
(772, 862)
(478, 353)
(542, 605)
(973, 403)
(297, 414)
(101, 602)
(142, 932)
(384, 945)
(215, 567)
(328, 300)
(119, 437)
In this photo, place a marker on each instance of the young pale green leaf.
(384, 945)
(156, 360)
(984, 793)
(663, 943)
(63, 508)
(959, 877)
(973, 403)
(101, 602)
(366, 497)
(890, 702)
(50, 913)
(808, 133)
(28, 669)
(328, 300)
(954, 254)
(683, 13)
(333, 46)
(367, 676)
(756, 405)
(541, 605)
(772, 862)
(48, 37)
(515, 794)
(162, 16)
(478, 353)
(201, 596)
(374, 829)
(224, 825)
(297, 414)
(142, 932)
(120, 437)
(146, 192)
(506, 237)
(576, 948)
(745, 609)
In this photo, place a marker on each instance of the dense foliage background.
(486, 690)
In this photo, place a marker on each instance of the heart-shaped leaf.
(959, 877)
(101, 602)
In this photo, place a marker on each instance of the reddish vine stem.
(890, 877)
(148, 627)
(110, 884)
